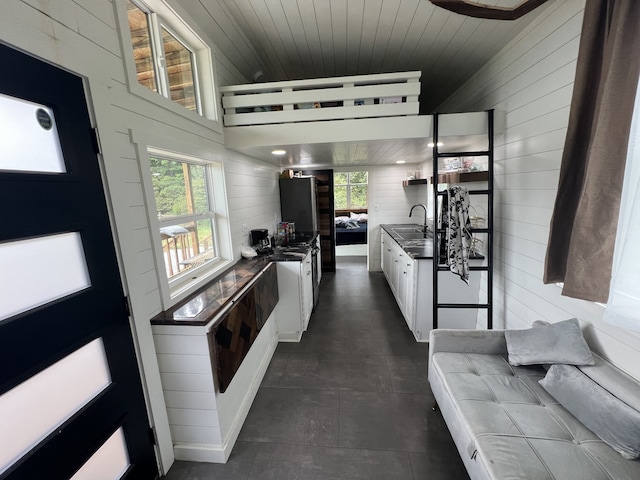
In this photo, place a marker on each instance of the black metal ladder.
(439, 232)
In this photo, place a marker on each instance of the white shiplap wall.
(390, 202)
(82, 36)
(531, 79)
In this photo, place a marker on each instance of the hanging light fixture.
(479, 9)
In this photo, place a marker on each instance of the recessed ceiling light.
(401, 161)
(279, 152)
(430, 144)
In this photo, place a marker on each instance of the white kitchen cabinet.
(295, 289)
(318, 258)
(386, 255)
(399, 269)
(307, 292)
(383, 249)
(411, 281)
(406, 293)
(396, 258)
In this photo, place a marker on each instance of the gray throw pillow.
(560, 342)
(615, 422)
(540, 323)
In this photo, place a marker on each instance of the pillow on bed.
(615, 422)
(359, 217)
(560, 342)
(345, 222)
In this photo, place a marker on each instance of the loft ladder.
(439, 233)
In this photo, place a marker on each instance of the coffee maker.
(260, 240)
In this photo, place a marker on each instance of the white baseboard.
(203, 453)
(289, 336)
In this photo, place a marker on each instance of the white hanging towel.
(458, 236)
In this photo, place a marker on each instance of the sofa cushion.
(507, 426)
(560, 342)
(612, 420)
(621, 385)
(548, 459)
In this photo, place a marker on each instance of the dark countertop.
(294, 248)
(198, 309)
(418, 249)
(203, 305)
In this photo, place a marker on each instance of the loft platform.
(361, 96)
(362, 108)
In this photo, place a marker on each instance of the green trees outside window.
(185, 213)
(350, 190)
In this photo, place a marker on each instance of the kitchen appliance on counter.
(298, 203)
(260, 240)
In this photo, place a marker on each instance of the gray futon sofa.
(507, 425)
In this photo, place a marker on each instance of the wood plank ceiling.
(298, 39)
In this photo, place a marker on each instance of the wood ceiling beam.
(477, 10)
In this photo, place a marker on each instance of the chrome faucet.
(424, 225)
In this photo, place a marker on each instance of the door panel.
(87, 307)
(35, 264)
(43, 152)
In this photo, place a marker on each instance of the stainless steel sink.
(412, 236)
(403, 230)
(421, 243)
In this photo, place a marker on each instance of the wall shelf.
(418, 181)
(452, 177)
(457, 177)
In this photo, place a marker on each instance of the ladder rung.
(475, 268)
(472, 230)
(477, 153)
(471, 192)
(462, 305)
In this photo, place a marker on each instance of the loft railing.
(338, 98)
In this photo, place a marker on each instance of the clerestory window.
(165, 63)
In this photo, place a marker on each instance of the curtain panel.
(585, 215)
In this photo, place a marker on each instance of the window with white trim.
(185, 214)
(193, 227)
(350, 190)
(169, 57)
(624, 293)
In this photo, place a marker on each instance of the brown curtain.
(585, 216)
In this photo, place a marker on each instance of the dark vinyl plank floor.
(350, 401)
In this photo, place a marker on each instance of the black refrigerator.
(298, 203)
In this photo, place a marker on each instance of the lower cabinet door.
(306, 279)
(232, 338)
(409, 292)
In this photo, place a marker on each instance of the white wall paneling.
(390, 202)
(531, 79)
